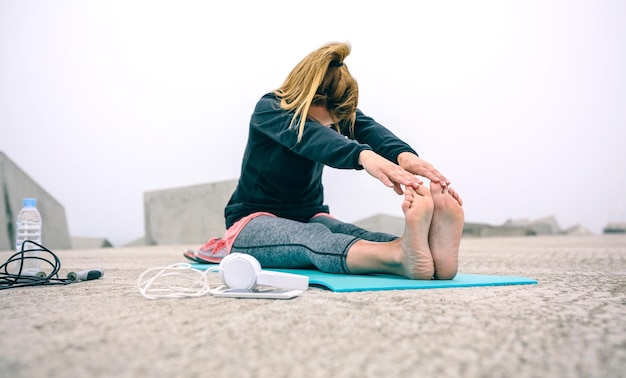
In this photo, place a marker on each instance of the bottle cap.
(29, 202)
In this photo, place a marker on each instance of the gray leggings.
(323, 242)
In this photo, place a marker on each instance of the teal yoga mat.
(357, 282)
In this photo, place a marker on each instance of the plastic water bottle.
(28, 228)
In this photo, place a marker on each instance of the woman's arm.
(319, 143)
(421, 167)
(414, 164)
(390, 174)
(388, 145)
(382, 140)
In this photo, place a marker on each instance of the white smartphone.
(226, 292)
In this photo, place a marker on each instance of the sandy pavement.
(572, 324)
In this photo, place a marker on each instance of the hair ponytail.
(321, 79)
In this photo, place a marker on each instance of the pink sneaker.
(211, 252)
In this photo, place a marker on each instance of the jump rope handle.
(85, 275)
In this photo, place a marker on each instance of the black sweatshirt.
(284, 177)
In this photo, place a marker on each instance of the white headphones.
(242, 271)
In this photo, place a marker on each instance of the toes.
(422, 191)
(408, 199)
(455, 195)
(436, 188)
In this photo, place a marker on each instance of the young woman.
(277, 212)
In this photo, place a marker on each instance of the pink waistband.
(322, 215)
(234, 230)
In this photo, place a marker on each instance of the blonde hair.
(321, 79)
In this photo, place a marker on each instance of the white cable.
(164, 282)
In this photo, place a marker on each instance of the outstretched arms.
(403, 174)
(421, 167)
(390, 174)
(418, 166)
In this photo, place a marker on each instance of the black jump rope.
(18, 279)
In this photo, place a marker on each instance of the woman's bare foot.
(445, 233)
(418, 211)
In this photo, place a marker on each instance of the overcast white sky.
(522, 104)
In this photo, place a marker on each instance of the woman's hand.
(414, 164)
(390, 174)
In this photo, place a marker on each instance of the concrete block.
(383, 223)
(15, 185)
(474, 229)
(502, 231)
(578, 229)
(187, 215)
(615, 228)
(395, 225)
(543, 226)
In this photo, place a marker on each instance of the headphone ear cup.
(239, 271)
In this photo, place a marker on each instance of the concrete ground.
(572, 324)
